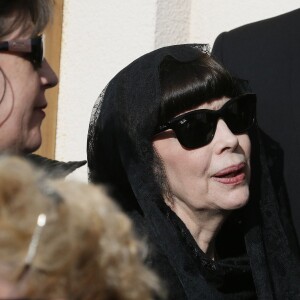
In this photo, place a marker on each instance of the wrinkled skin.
(22, 90)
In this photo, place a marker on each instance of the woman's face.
(22, 94)
(212, 177)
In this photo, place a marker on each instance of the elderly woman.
(172, 134)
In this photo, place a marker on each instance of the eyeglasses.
(197, 128)
(33, 48)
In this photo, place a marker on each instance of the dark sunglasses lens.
(196, 131)
(240, 115)
(37, 52)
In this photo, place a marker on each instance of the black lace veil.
(120, 154)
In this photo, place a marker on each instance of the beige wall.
(100, 37)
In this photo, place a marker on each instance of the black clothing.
(231, 276)
(267, 54)
(255, 258)
(54, 168)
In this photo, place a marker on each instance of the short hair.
(185, 85)
(86, 250)
(29, 15)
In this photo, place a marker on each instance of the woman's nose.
(224, 139)
(47, 75)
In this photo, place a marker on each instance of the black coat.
(267, 53)
(254, 241)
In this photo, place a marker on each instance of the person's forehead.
(213, 104)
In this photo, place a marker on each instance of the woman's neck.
(203, 225)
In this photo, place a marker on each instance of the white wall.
(172, 22)
(211, 17)
(100, 37)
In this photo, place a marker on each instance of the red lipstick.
(232, 175)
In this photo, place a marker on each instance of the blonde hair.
(86, 250)
(29, 15)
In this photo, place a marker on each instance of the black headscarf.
(120, 154)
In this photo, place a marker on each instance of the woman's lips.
(233, 175)
(41, 106)
(40, 111)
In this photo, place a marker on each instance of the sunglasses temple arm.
(161, 128)
(20, 46)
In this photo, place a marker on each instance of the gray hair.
(29, 15)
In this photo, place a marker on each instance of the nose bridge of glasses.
(222, 115)
(223, 123)
(217, 116)
(224, 137)
(227, 112)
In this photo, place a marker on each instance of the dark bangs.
(185, 85)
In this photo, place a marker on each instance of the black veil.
(120, 154)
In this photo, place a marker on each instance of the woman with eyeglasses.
(24, 78)
(175, 136)
(24, 74)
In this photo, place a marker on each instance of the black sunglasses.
(197, 128)
(33, 48)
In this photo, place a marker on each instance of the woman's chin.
(236, 200)
(33, 143)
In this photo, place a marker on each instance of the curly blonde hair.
(86, 249)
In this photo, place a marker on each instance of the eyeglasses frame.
(174, 122)
(26, 46)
